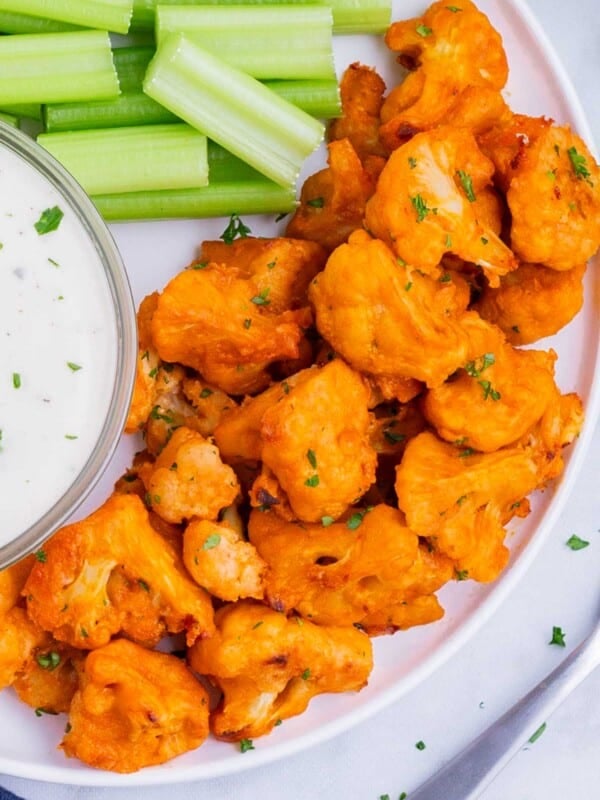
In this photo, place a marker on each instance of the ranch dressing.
(58, 348)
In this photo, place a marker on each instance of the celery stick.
(250, 196)
(29, 110)
(23, 23)
(349, 16)
(319, 98)
(9, 119)
(128, 110)
(110, 15)
(131, 64)
(56, 67)
(238, 112)
(289, 41)
(132, 159)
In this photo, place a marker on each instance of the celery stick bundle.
(110, 15)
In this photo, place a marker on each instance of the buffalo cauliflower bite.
(425, 204)
(361, 90)
(50, 679)
(188, 479)
(385, 318)
(533, 302)
(447, 50)
(68, 591)
(332, 201)
(495, 398)
(315, 442)
(460, 500)
(135, 708)
(19, 638)
(146, 386)
(281, 268)
(269, 667)
(12, 580)
(211, 319)
(343, 573)
(218, 558)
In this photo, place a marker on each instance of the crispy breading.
(188, 479)
(344, 572)
(135, 708)
(19, 637)
(218, 558)
(495, 398)
(446, 52)
(12, 580)
(361, 91)
(50, 678)
(387, 319)
(332, 201)
(67, 590)
(424, 204)
(269, 667)
(315, 441)
(146, 385)
(533, 302)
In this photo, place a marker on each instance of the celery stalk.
(23, 23)
(56, 67)
(29, 110)
(235, 110)
(9, 119)
(132, 159)
(250, 196)
(131, 64)
(288, 41)
(110, 15)
(319, 98)
(349, 16)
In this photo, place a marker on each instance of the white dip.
(58, 348)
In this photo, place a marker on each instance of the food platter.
(152, 253)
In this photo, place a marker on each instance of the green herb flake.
(16, 380)
(143, 585)
(468, 451)
(558, 637)
(84, 633)
(453, 9)
(53, 262)
(326, 521)
(401, 261)
(448, 242)
(49, 661)
(515, 328)
(206, 393)
(408, 286)
(312, 459)
(235, 230)
(461, 499)
(403, 796)
(467, 184)
(247, 324)
(71, 437)
(489, 391)
(40, 555)
(200, 264)
(475, 368)
(423, 30)
(211, 541)
(575, 543)
(49, 220)
(40, 711)
(579, 164)
(245, 745)
(535, 736)
(74, 367)
(484, 240)
(420, 745)
(313, 481)
(445, 278)
(384, 797)
(261, 298)
(461, 574)
(354, 521)
(412, 162)
(306, 674)
(153, 372)
(257, 624)
(316, 202)
(421, 207)
(272, 264)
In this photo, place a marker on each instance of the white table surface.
(499, 664)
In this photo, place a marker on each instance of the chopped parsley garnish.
(235, 230)
(71, 436)
(401, 261)
(461, 574)
(467, 184)
(156, 413)
(579, 164)
(420, 745)
(484, 240)
(305, 675)
(515, 328)
(16, 380)
(408, 286)
(489, 391)
(49, 220)
(558, 637)
(312, 459)
(421, 207)
(153, 372)
(74, 367)
(453, 9)
(206, 393)
(326, 521)
(445, 278)
(475, 368)
(412, 162)
(48, 661)
(354, 521)
(535, 736)
(261, 298)
(448, 243)
(143, 585)
(247, 324)
(575, 543)
(423, 30)
(53, 262)
(316, 202)
(200, 264)
(313, 481)
(257, 624)
(245, 745)
(39, 711)
(211, 541)
(393, 438)
(40, 555)
(468, 451)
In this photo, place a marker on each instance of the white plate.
(155, 251)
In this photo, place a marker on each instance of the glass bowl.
(122, 347)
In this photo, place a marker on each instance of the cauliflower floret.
(332, 201)
(50, 679)
(315, 442)
(12, 580)
(343, 573)
(146, 386)
(280, 268)
(533, 302)
(385, 318)
(495, 398)
(440, 172)
(19, 638)
(218, 558)
(269, 667)
(67, 591)
(188, 479)
(448, 49)
(135, 708)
